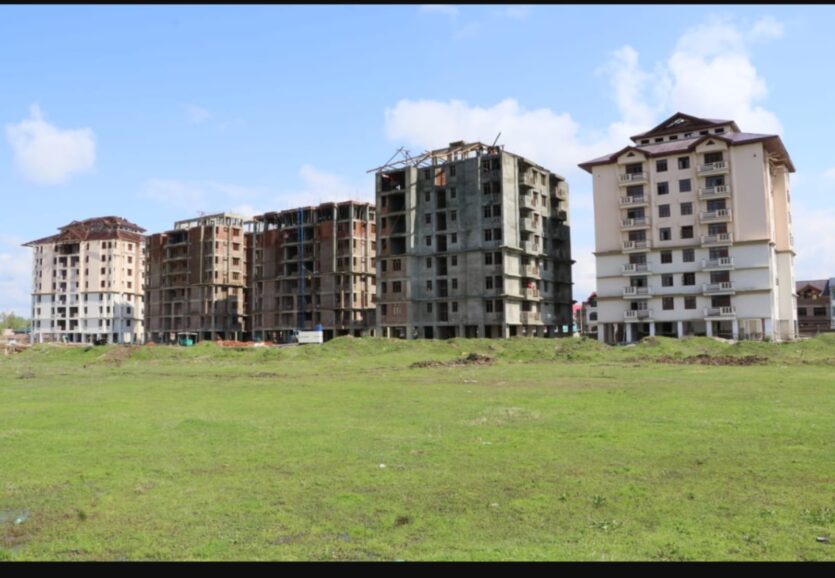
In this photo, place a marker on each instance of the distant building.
(311, 267)
(88, 283)
(693, 234)
(587, 317)
(196, 280)
(473, 241)
(814, 307)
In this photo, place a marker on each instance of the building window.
(488, 282)
(683, 162)
(429, 308)
(819, 312)
(427, 196)
(427, 218)
(663, 210)
(687, 232)
(666, 256)
(684, 186)
(488, 234)
(663, 188)
(455, 306)
(429, 285)
(661, 165)
(667, 303)
(454, 238)
(689, 302)
(396, 286)
(395, 265)
(429, 262)
(453, 216)
(454, 262)
(452, 194)
(686, 209)
(666, 280)
(455, 283)
(665, 234)
(428, 240)
(488, 258)
(688, 279)
(383, 287)
(688, 255)
(711, 158)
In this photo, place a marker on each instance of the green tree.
(13, 322)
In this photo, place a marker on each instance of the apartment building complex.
(473, 241)
(311, 267)
(87, 283)
(196, 280)
(693, 234)
(814, 307)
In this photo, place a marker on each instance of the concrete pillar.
(680, 329)
(481, 331)
(652, 328)
(628, 332)
(735, 329)
(767, 328)
(601, 332)
(709, 328)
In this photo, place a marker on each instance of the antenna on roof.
(497, 139)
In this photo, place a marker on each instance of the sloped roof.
(821, 285)
(680, 121)
(94, 229)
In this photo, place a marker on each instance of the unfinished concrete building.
(87, 283)
(196, 280)
(314, 266)
(473, 242)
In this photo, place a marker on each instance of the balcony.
(637, 292)
(532, 247)
(527, 180)
(527, 317)
(717, 240)
(637, 315)
(561, 254)
(720, 312)
(635, 246)
(723, 288)
(531, 226)
(717, 216)
(718, 264)
(637, 268)
(530, 293)
(713, 168)
(632, 178)
(718, 192)
(530, 270)
(561, 215)
(635, 224)
(528, 202)
(634, 201)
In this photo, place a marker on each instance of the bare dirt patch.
(470, 359)
(705, 359)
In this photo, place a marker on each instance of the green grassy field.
(559, 450)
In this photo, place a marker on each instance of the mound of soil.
(470, 359)
(705, 359)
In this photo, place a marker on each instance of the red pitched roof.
(95, 229)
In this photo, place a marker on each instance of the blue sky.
(154, 113)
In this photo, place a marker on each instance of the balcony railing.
(637, 223)
(632, 178)
(636, 314)
(717, 192)
(719, 239)
(637, 292)
(633, 200)
(720, 166)
(726, 287)
(528, 224)
(530, 293)
(720, 311)
(636, 268)
(528, 202)
(720, 263)
(717, 215)
(526, 317)
(629, 246)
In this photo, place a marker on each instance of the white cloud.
(813, 228)
(48, 155)
(15, 276)
(765, 28)
(517, 12)
(446, 9)
(197, 114)
(828, 175)
(708, 73)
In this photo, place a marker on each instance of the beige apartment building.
(197, 280)
(87, 283)
(693, 234)
(473, 241)
(314, 267)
